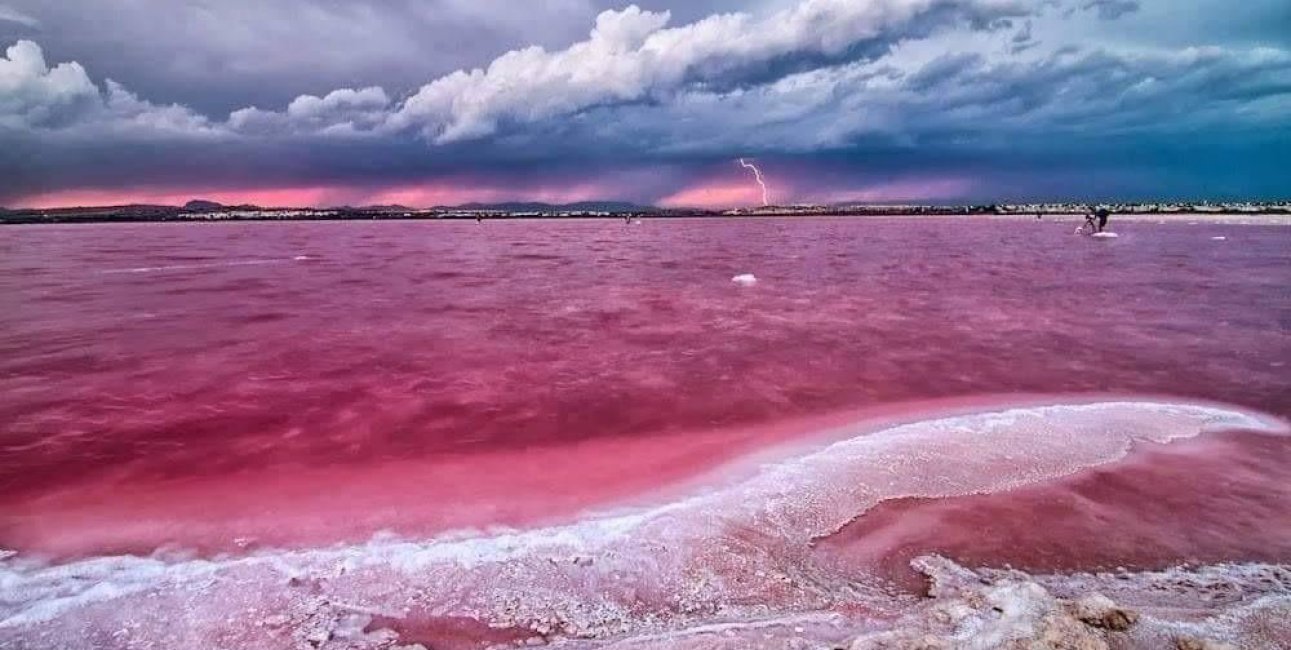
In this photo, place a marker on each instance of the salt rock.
(1099, 611)
(1058, 631)
(1012, 613)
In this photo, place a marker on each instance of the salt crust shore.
(726, 569)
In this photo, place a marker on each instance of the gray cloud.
(10, 15)
(1113, 9)
(966, 100)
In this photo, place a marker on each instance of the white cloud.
(631, 56)
(33, 94)
(124, 111)
(340, 112)
(37, 97)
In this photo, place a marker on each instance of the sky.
(441, 102)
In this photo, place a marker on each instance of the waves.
(735, 561)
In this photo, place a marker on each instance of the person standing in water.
(1091, 223)
(1095, 221)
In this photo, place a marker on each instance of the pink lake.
(233, 388)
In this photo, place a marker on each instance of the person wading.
(1102, 214)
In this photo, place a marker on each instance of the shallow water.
(1199, 502)
(238, 388)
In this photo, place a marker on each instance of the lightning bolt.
(757, 175)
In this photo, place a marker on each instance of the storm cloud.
(841, 99)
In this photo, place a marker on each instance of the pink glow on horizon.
(432, 194)
(722, 193)
(725, 191)
(273, 197)
(416, 195)
(739, 192)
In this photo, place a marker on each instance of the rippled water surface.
(146, 355)
(586, 430)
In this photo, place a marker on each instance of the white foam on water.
(207, 265)
(745, 279)
(736, 552)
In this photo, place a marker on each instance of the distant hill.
(130, 210)
(581, 206)
(202, 205)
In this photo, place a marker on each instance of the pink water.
(237, 386)
(139, 356)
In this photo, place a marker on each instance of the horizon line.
(498, 205)
(589, 206)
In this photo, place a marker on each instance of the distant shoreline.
(107, 217)
(1230, 218)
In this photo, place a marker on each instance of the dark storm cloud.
(978, 98)
(1113, 9)
(942, 70)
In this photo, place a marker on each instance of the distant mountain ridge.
(203, 205)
